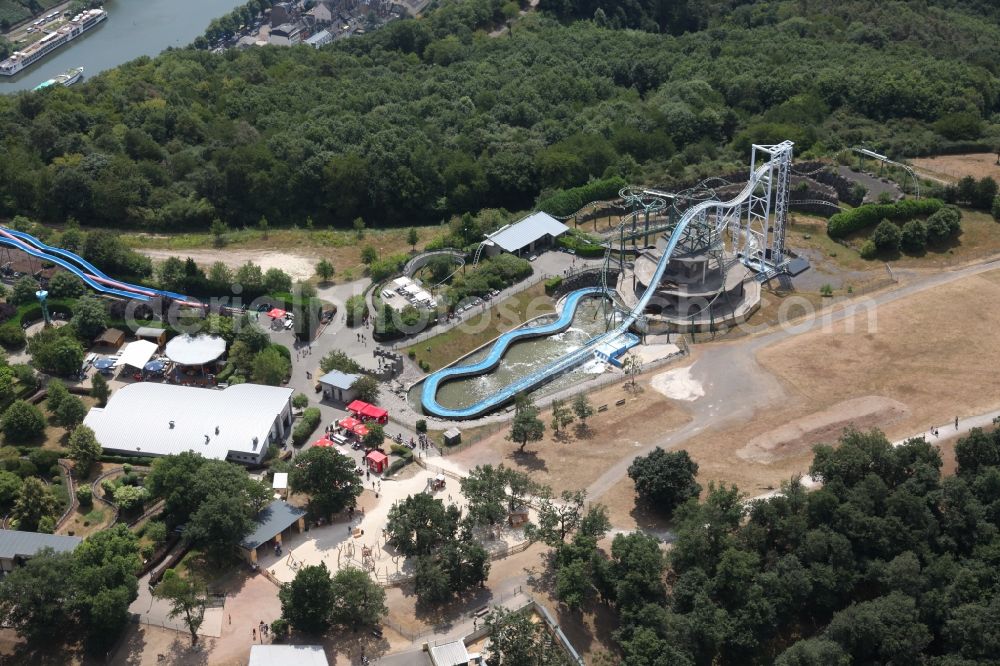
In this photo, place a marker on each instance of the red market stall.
(323, 442)
(368, 412)
(373, 413)
(353, 425)
(276, 313)
(377, 461)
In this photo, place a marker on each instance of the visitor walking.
(956, 423)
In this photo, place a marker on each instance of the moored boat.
(69, 31)
(67, 78)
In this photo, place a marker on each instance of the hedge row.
(141, 461)
(567, 202)
(552, 284)
(846, 223)
(306, 426)
(398, 465)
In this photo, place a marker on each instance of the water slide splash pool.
(725, 213)
(429, 389)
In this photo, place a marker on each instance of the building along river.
(134, 28)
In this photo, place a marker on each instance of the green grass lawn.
(442, 349)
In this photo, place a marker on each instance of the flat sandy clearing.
(930, 357)
(952, 167)
(573, 461)
(298, 266)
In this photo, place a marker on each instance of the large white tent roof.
(136, 354)
(195, 349)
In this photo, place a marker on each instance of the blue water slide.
(72, 268)
(55, 252)
(89, 267)
(428, 396)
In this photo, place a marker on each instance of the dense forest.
(887, 563)
(431, 117)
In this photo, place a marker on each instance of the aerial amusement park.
(676, 262)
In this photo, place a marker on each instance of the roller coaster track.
(92, 276)
(576, 357)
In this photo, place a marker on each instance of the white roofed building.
(287, 655)
(153, 419)
(338, 386)
(533, 233)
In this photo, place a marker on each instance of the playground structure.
(753, 222)
(92, 276)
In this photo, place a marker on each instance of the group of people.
(263, 628)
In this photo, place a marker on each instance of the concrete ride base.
(725, 311)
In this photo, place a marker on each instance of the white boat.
(69, 31)
(67, 78)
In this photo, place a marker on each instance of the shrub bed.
(581, 244)
(846, 223)
(306, 426)
(403, 452)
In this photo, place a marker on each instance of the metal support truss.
(763, 239)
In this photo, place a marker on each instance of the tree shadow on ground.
(55, 653)
(446, 615)
(182, 652)
(649, 520)
(529, 460)
(583, 430)
(562, 436)
(344, 640)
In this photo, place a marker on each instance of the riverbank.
(134, 28)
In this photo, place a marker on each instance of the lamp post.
(41, 295)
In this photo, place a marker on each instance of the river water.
(523, 358)
(134, 28)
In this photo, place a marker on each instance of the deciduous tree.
(328, 478)
(187, 597)
(84, 450)
(562, 415)
(357, 599)
(99, 389)
(22, 422)
(420, 523)
(526, 426)
(665, 479)
(307, 602)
